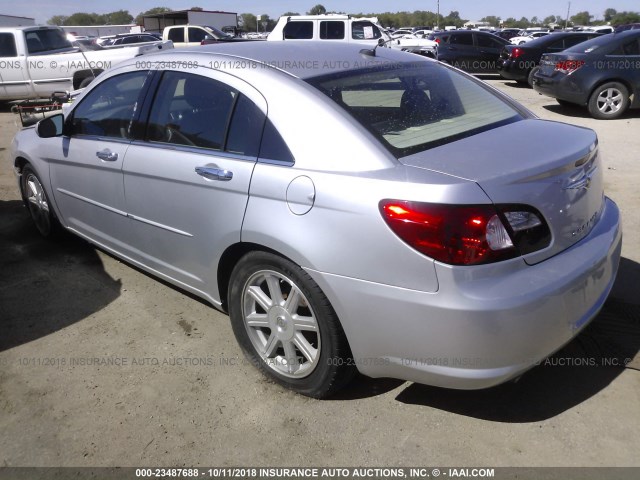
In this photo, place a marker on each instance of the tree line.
(250, 22)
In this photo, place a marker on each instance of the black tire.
(532, 72)
(85, 82)
(311, 362)
(37, 202)
(608, 101)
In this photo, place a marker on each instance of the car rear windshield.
(416, 106)
(591, 45)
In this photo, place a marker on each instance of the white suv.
(341, 28)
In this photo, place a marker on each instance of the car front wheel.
(608, 101)
(38, 203)
(286, 326)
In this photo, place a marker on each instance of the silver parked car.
(347, 206)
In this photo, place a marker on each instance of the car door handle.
(107, 155)
(215, 173)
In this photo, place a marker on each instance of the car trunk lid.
(553, 167)
(568, 63)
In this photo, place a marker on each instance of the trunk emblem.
(584, 182)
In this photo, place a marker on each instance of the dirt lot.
(102, 365)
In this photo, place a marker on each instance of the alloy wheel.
(281, 324)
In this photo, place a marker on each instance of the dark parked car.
(128, 39)
(507, 34)
(469, 49)
(628, 26)
(221, 36)
(602, 74)
(520, 62)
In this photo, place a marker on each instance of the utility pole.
(566, 22)
(438, 17)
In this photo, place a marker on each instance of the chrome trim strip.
(124, 214)
(53, 80)
(92, 202)
(159, 225)
(15, 82)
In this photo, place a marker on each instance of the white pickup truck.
(37, 61)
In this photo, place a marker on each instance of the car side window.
(273, 146)
(332, 30)
(488, 42)
(176, 34)
(108, 109)
(245, 130)
(196, 34)
(571, 41)
(191, 110)
(461, 39)
(298, 31)
(556, 46)
(632, 48)
(364, 31)
(7, 45)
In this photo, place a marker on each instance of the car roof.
(302, 59)
(31, 27)
(324, 16)
(553, 36)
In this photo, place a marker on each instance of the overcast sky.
(42, 10)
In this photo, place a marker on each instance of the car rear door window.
(192, 110)
(196, 34)
(177, 34)
(574, 40)
(108, 109)
(556, 46)
(333, 30)
(298, 31)
(486, 41)
(197, 111)
(7, 45)
(461, 39)
(364, 31)
(632, 47)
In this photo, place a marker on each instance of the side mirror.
(51, 126)
(381, 42)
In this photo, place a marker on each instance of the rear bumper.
(511, 71)
(485, 325)
(560, 86)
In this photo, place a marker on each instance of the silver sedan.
(350, 208)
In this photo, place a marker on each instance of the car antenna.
(81, 49)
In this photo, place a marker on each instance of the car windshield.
(591, 45)
(416, 106)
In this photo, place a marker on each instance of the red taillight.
(437, 40)
(453, 234)
(568, 66)
(516, 52)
